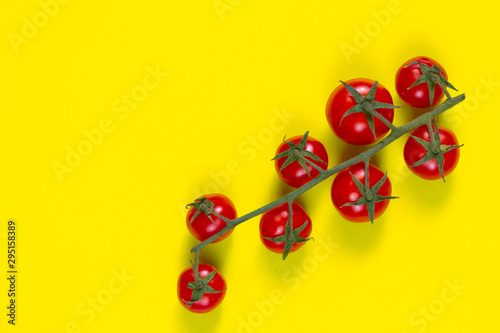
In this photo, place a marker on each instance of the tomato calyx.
(368, 106)
(369, 194)
(435, 150)
(297, 152)
(432, 76)
(290, 237)
(202, 205)
(200, 286)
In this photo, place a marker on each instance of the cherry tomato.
(202, 227)
(354, 128)
(417, 96)
(294, 174)
(414, 152)
(272, 225)
(209, 301)
(344, 190)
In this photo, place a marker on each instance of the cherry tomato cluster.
(359, 112)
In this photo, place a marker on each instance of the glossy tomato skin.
(417, 96)
(344, 190)
(414, 151)
(202, 228)
(293, 174)
(209, 301)
(272, 225)
(354, 128)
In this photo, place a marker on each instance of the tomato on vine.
(432, 154)
(203, 293)
(202, 220)
(360, 111)
(420, 80)
(294, 160)
(275, 230)
(358, 197)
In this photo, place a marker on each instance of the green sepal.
(366, 105)
(299, 239)
(424, 143)
(209, 277)
(196, 295)
(435, 150)
(288, 247)
(303, 164)
(297, 152)
(361, 187)
(307, 153)
(380, 105)
(358, 97)
(447, 148)
(379, 184)
(355, 109)
(302, 143)
(279, 239)
(364, 200)
(432, 76)
(427, 157)
(211, 290)
(201, 287)
(202, 205)
(440, 161)
(289, 243)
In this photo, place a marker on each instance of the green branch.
(396, 133)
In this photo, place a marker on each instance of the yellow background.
(231, 70)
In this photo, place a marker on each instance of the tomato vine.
(289, 239)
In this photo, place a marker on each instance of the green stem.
(314, 165)
(395, 134)
(223, 218)
(379, 116)
(434, 144)
(367, 180)
(290, 221)
(197, 277)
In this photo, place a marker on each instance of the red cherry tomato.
(417, 96)
(202, 227)
(209, 301)
(294, 174)
(344, 190)
(272, 225)
(354, 128)
(414, 152)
